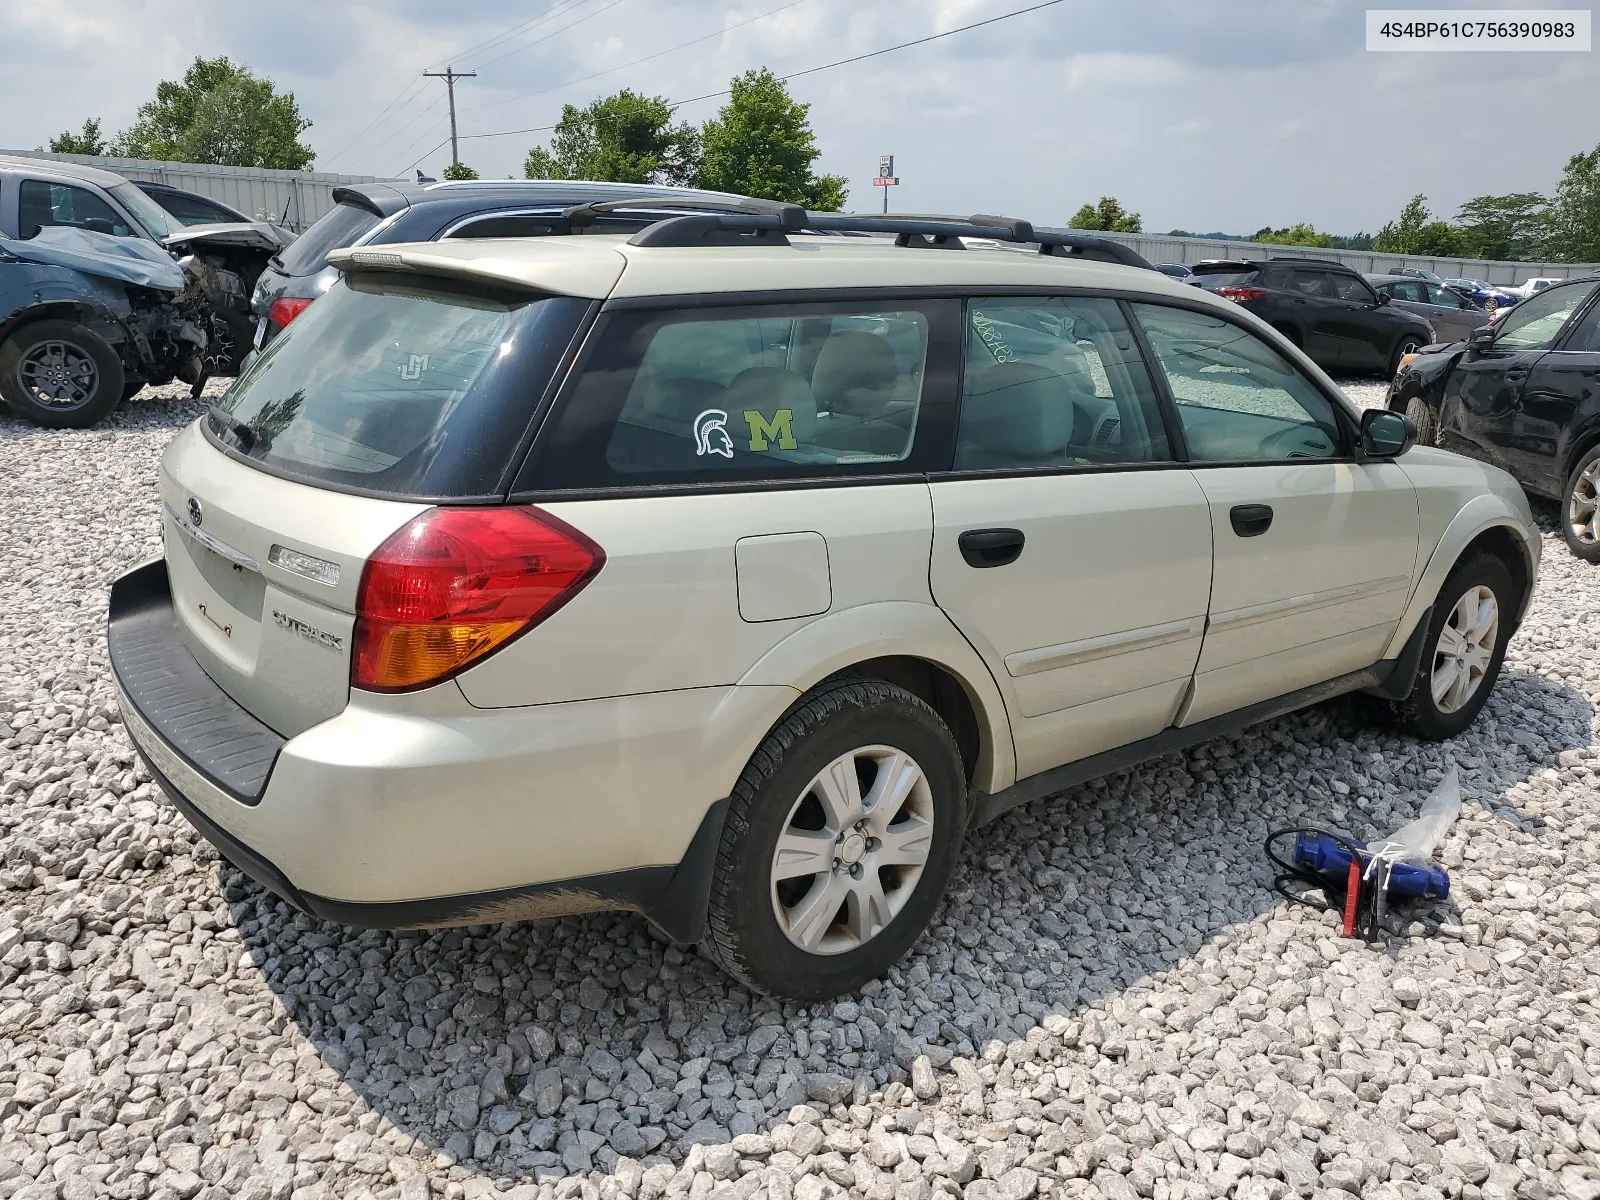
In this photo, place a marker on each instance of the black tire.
(84, 368)
(1419, 713)
(743, 933)
(1409, 343)
(1422, 417)
(1579, 498)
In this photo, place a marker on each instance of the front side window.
(1348, 287)
(1054, 382)
(1238, 399)
(780, 391)
(1534, 324)
(41, 204)
(1444, 297)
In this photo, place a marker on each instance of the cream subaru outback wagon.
(730, 573)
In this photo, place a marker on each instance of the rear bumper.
(414, 811)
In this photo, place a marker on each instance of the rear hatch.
(388, 397)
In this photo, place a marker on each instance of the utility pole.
(450, 75)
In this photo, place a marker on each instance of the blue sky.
(1204, 114)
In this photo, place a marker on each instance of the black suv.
(378, 213)
(1323, 307)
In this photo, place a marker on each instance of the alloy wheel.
(1465, 647)
(1583, 511)
(852, 850)
(58, 374)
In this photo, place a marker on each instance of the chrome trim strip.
(1235, 618)
(1049, 658)
(215, 545)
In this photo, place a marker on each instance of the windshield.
(403, 390)
(157, 221)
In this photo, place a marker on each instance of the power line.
(637, 61)
(552, 33)
(488, 43)
(813, 70)
(404, 93)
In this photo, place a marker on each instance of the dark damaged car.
(1522, 394)
(86, 320)
(222, 260)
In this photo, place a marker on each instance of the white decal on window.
(415, 367)
(711, 434)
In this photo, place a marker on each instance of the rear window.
(1221, 279)
(399, 390)
(336, 230)
(769, 392)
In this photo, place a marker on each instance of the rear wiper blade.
(242, 433)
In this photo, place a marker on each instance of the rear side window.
(399, 390)
(334, 231)
(1054, 381)
(770, 392)
(1310, 283)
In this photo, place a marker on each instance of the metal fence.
(1160, 248)
(293, 199)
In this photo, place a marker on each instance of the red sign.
(884, 181)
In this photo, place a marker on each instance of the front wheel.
(1580, 508)
(1422, 417)
(60, 374)
(840, 837)
(1466, 643)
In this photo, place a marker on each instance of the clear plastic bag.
(1415, 841)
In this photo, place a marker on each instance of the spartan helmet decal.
(711, 434)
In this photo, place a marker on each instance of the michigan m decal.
(779, 430)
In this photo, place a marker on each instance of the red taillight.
(286, 308)
(456, 584)
(1242, 293)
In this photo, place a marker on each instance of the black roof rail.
(742, 224)
(1321, 262)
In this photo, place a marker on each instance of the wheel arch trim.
(898, 629)
(1478, 516)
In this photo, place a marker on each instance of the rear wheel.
(840, 837)
(1466, 643)
(59, 374)
(1580, 507)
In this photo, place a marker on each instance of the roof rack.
(1321, 262)
(746, 222)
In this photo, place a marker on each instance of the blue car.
(1486, 294)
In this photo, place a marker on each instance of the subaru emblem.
(194, 511)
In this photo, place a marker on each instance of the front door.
(1314, 551)
(1068, 546)
(1479, 411)
(1563, 386)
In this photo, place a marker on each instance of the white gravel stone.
(1112, 1001)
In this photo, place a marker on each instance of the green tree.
(1301, 234)
(1513, 227)
(220, 113)
(1575, 210)
(459, 171)
(1417, 232)
(761, 144)
(88, 142)
(1107, 215)
(625, 138)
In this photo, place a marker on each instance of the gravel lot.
(1113, 1002)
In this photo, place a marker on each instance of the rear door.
(1318, 311)
(748, 470)
(1454, 317)
(1068, 546)
(1314, 550)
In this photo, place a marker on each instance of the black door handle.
(1251, 520)
(991, 547)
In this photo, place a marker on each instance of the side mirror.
(99, 225)
(1481, 339)
(1383, 298)
(1386, 434)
